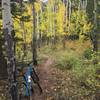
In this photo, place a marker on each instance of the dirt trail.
(45, 72)
(57, 85)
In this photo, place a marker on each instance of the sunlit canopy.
(40, 0)
(44, 0)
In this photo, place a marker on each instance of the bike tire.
(21, 89)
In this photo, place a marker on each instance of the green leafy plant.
(67, 61)
(88, 53)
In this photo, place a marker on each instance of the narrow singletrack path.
(51, 81)
(45, 72)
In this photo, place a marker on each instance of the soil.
(45, 72)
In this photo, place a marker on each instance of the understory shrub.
(85, 73)
(88, 53)
(67, 61)
(86, 76)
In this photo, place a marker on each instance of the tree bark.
(9, 45)
(92, 14)
(95, 41)
(34, 42)
(3, 63)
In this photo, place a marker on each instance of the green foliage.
(80, 24)
(25, 18)
(84, 72)
(15, 9)
(88, 53)
(86, 75)
(46, 50)
(67, 61)
(32, 1)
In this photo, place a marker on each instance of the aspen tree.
(9, 44)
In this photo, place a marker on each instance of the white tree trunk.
(6, 15)
(9, 43)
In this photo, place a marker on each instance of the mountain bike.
(25, 89)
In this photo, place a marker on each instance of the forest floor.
(57, 85)
(59, 82)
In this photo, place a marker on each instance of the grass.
(72, 60)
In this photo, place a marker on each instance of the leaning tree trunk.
(9, 45)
